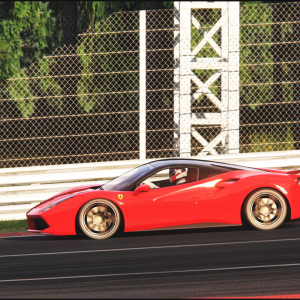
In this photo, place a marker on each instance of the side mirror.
(141, 188)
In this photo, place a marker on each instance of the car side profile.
(172, 194)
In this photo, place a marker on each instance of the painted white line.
(153, 273)
(147, 248)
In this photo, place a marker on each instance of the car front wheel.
(265, 209)
(99, 219)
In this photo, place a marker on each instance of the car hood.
(66, 193)
(75, 190)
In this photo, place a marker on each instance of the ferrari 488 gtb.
(173, 193)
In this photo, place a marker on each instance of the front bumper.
(39, 225)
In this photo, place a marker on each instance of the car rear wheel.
(99, 219)
(265, 209)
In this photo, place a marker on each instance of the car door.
(218, 206)
(166, 207)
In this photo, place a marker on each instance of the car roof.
(179, 161)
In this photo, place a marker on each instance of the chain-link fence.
(82, 102)
(269, 77)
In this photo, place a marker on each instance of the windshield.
(122, 182)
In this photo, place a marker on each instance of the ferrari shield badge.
(120, 196)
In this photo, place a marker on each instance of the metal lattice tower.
(226, 67)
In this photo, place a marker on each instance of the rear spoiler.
(291, 171)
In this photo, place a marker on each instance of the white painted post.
(142, 84)
(176, 78)
(185, 80)
(234, 96)
(225, 79)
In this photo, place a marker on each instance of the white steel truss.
(226, 66)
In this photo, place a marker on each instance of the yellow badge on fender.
(120, 196)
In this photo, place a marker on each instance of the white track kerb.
(23, 188)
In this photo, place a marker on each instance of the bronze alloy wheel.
(99, 219)
(265, 209)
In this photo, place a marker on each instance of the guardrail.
(23, 188)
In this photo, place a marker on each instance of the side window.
(212, 170)
(171, 177)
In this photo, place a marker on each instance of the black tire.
(99, 219)
(264, 209)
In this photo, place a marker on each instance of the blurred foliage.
(256, 42)
(276, 137)
(30, 30)
(26, 29)
(92, 88)
(48, 86)
(85, 85)
(20, 91)
(92, 12)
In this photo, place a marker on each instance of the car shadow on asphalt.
(183, 231)
(81, 236)
(238, 228)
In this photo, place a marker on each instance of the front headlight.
(55, 203)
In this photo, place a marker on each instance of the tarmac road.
(212, 262)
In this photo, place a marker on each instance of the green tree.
(26, 29)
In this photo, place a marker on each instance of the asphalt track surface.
(211, 262)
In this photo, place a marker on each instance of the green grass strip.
(13, 226)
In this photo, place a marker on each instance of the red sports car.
(173, 193)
